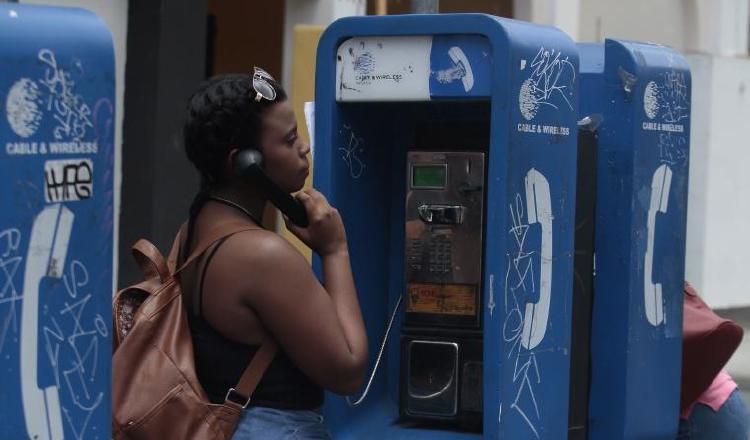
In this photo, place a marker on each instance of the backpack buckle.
(237, 398)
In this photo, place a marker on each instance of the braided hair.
(222, 115)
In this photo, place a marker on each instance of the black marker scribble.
(70, 180)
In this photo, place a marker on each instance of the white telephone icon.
(459, 58)
(48, 247)
(652, 292)
(539, 210)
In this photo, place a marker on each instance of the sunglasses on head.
(262, 85)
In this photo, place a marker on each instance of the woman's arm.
(320, 327)
(339, 284)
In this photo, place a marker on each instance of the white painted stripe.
(652, 292)
(539, 208)
(48, 245)
(54, 413)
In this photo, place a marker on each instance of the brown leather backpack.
(707, 344)
(155, 390)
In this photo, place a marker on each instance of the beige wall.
(662, 21)
(719, 189)
(717, 27)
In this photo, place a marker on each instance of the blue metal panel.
(642, 92)
(56, 135)
(460, 66)
(543, 150)
(360, 166)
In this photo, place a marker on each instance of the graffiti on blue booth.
(666, 112)
(56, 133)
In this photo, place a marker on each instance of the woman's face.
(284, 151)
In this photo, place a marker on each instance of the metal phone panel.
(443, 238)
(432, 376)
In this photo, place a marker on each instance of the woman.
(254, 283)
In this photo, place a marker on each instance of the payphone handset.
(48, 247)
(652, 292)
(539, 210)
(248, 163)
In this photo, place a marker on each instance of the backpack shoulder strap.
(242, 393)
(212, 237)
(150, 260)
(174, 253)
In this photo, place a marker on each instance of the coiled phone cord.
(377, 360)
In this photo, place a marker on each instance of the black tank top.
(220, 362)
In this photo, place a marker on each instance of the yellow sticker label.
(443, 299)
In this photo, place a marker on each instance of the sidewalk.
(739, 364)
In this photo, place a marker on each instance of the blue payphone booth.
(56, 219)
(641, 94)
(448, 143)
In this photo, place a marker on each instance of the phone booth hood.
(456, 82)
(640, 92)
(57, 91)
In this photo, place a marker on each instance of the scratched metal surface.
(531, 106)
(642, 92)
(56, 164)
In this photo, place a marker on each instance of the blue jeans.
(730, 422)
(258, 423)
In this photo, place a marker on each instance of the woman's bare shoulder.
(261, 250)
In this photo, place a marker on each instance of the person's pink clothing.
(715, 395)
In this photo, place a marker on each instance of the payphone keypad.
(415, 247)
(440, 256)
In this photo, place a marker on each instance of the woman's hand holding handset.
(325, 234)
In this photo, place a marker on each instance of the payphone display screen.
(444, 299)
(428, 176)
